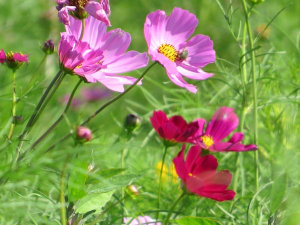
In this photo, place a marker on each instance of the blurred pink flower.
(166, 38)
(80, 9)
(199, 176)
(113, 45)
(173, 130)
(76, 102)
(141, 220)
(94, 94)
(223, 122)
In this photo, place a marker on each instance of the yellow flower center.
(207, 140)
(169, 51)
(78, 3)
(190, 174)
(10, 56)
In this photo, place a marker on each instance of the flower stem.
(82, 30)
(14, 103)
(173, 207)
(160, 183)
(104, 106)
(39, 105)
(62, 192)
(254, 91)
(55, 123)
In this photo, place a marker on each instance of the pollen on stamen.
(190, 174)
(207, 141)
(169, 51)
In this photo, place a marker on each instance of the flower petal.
(192, 72)
(96, 10)
(223, 122)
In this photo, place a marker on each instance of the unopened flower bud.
(83, 134)
(48, 47)
(132, 122)
(17, 120)
(132, 190)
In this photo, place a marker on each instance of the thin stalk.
(27, 88)
(82, 30)
(160, 183)
(14, 103)
(254, 91)
(31, 120)
(57, 84)
(55, 123)
(173, 207)
(243, 71)
(104, 106)
(62, 193)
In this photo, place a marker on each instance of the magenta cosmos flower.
(80, 9)
(223, 122)
(140, 220)
(103, 54)
(166, 38)
(173, 130)
(13, 60)
(199, 176)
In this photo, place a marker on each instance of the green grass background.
(31, 195)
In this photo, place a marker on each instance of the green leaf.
(196, 221)
(114, 183)
(76, 184)
(277, 192)
(106, 173)
(93, 201)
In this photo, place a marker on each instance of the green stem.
(39, 105)
(27, 88)
(173, 207)
(160, 183)
(254, 91)
(55, 123)
(57, 84)
(103, 107)
(62, 193)
(82, 30)
(14, 103)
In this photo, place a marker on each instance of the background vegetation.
(31, 194)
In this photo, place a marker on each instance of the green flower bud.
(48, 47)
(132, 122)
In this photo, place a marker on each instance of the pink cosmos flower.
(166, 38)
(223, 122)
(81, 8)
(140, 220)
(199, 176)
(78, 57)
(112, 45)
(173, 130)
(13, 60)
(12, 57)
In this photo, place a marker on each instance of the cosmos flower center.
(207, 140)
(78, 3)
(169, 51)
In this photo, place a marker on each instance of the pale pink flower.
(166, 38)
(141, 220)
(113, 45)
(81, 8)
